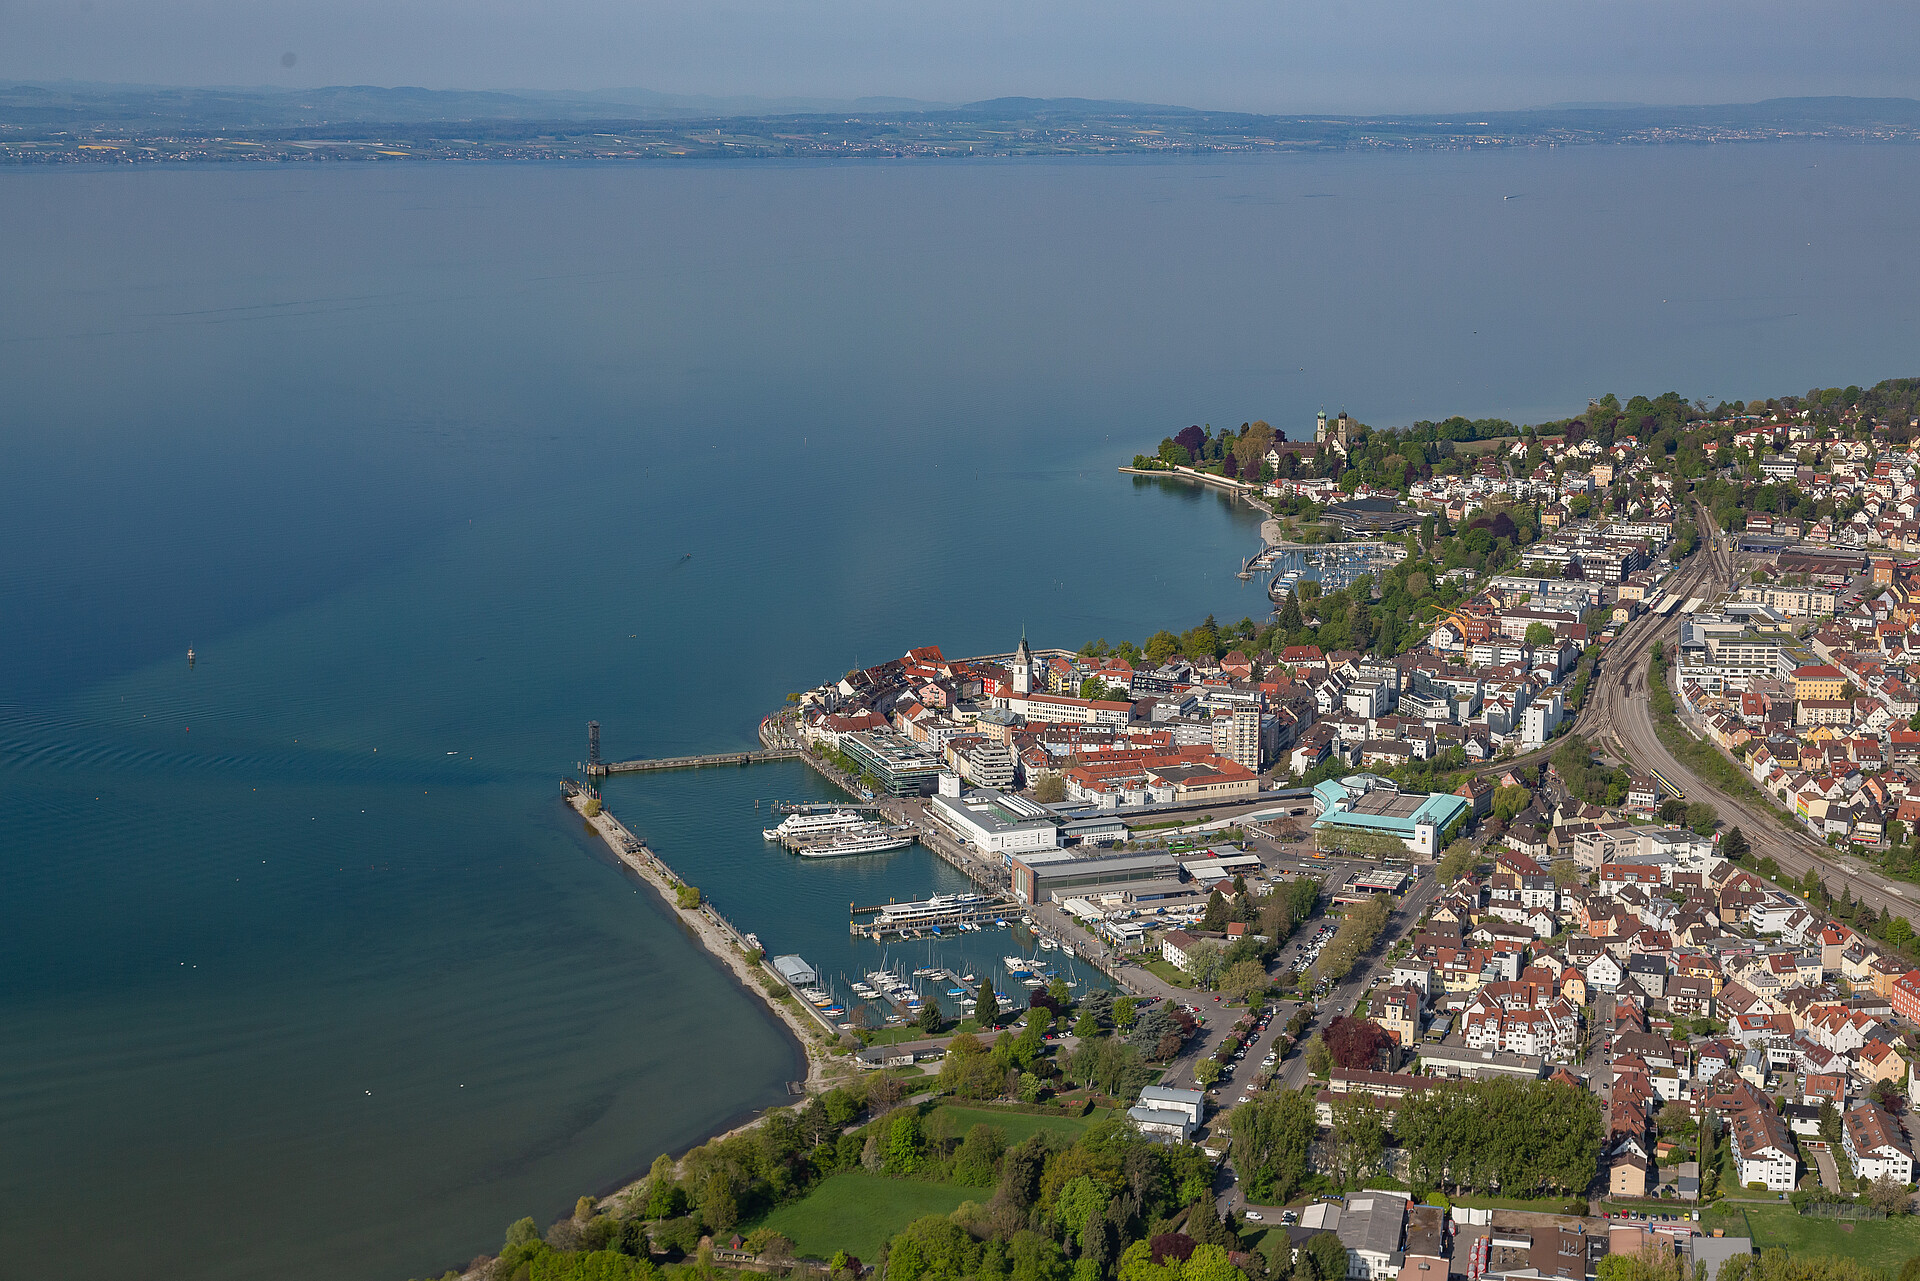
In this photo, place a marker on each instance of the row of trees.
(1360, 929)
(1521, 1138)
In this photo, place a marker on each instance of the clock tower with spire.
(1022, 666)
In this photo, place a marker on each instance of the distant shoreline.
(127, 126)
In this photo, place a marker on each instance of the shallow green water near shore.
(306, 969)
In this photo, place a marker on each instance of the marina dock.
(932, 916)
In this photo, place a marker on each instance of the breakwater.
(716, 933)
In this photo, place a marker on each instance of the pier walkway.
(697, 762)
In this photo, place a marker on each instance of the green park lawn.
(857, 1212)
(1167, 972)
(1017, 1126)
(1882, 1243)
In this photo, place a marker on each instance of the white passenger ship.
(814, 824)
(867, 838)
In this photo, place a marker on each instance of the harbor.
(1335, 566)
(933, 931)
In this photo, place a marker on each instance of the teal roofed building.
(1367, 814)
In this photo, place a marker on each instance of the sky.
(1250, 55)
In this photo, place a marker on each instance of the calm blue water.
(305, 969)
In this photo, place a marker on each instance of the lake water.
(304, 967)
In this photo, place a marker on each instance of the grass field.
(1167, 972)
(856, 1212)
(1017, 1126)
(1883, 1244)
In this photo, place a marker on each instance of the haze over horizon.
(1240, 55)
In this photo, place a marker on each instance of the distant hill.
(74, 103)
(70, 123)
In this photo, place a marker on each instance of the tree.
(1246, 980)
(1210, 1263)
(1204, 961)
(1529, 1138)
(719, 1203)
(1646, 1265)
(1050, 788)
(934, 1246)
(1215, 919)
(1319, 1058)
(1899, 931)
(1539, 634)
(1358, 1137)
(1459, 860)
(1123, 1012)
(1830, 1122)
(1356, 1043)
(664, 1198)
(906, 1143)
(1328, 1256)
(1701, 817)
(975, 1159)
(1509, 801)
(1272, 1136)
(930, 1018)
(987, 1012)
(1734, 844)
(1889, 1196)
(1207, 1072)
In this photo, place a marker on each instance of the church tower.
(1320, 429)
(1022, 667)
